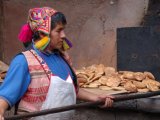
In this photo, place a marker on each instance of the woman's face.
(57, 36)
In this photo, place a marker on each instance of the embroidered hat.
(39, 19)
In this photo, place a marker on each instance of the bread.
(143, 90)
(139, 85)
(139, 76)
(105, 88)
(129, 86)
(128, 75)
(149, 75)
(109, 71)
(113, 81)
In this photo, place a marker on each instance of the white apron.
(60, 93)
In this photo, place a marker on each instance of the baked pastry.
(109, 71)
(148, 81)
(105, 88)
(139, 76)
(100, 69)
(152, 87)
(81, 80)
(149, 75)
(129, 86)
(143, 90)
(113, 81)
(128, 75)
(119, 88)
(139, 85)
(103, 80)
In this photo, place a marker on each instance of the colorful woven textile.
(39, 19)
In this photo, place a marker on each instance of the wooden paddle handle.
(85, 104)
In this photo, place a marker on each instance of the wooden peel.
(82, 105)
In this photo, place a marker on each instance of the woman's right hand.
(3, 107)
(2, 113)
(1, 117)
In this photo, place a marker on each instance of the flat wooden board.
(108, 92)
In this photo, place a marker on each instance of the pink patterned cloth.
(39, 19)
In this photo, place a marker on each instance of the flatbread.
(129, 86)
(149, 75)
(118, 88)
(109, 71)
(139, 76)
(103, 80)
(143, 90)
(128, 75)
(105, 88)
(113, 81)
(139, 85)
(152, 87)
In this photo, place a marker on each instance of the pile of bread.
(107, 78)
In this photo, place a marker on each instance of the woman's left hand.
(108, 100)
(89, 96)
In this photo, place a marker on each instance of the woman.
(41, 78)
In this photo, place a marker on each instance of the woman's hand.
(108, 100)
(1, 117)
(3, 107)
(88, 96)
(1, 114)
